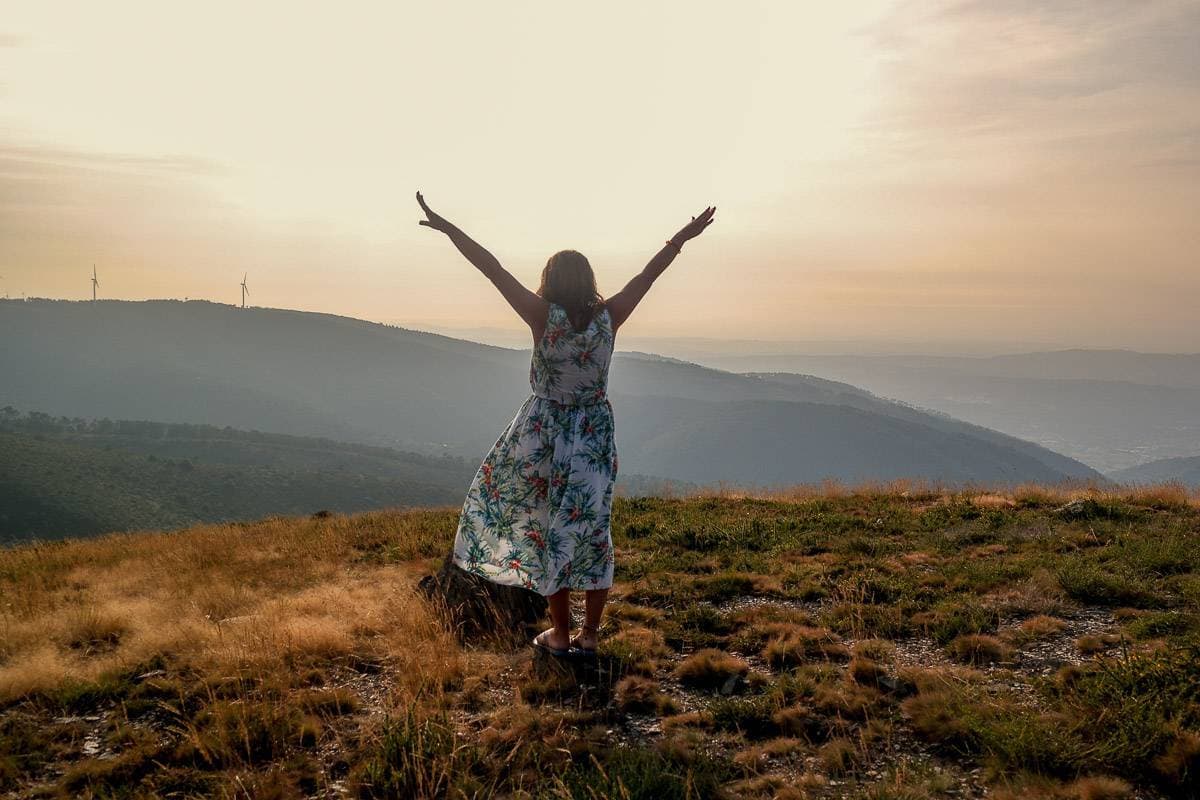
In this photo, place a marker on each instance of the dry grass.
(880, 650)
(1165, 495)
(978, 648)
(640, 649)
(838, 756)
(1100, 788)
(246, 660)
(1181, 760)
(710, 668)
(865, 671)
(799, 644)
(993, 501)
(1040, 595)
(757, 756)
(218, 597)
(637, 693)
(1091, 644)
(1035, 628)
(832, 489)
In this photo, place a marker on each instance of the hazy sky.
(935, 171)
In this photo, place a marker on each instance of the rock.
(732, 684)
(1083, 508)
(477, 608)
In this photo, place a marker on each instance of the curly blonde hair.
(568, 281)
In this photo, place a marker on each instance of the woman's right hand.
(438, 223)
(696, 226)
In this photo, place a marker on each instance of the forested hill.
(76, 477)
(62, 477)
(321, 375)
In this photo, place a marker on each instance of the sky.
(882, 171)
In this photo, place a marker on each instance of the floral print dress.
(537, 512)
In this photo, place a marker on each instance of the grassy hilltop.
(893, 642)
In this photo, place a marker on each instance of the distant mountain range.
(1174, 470)
(345, 379)
(1110, 409)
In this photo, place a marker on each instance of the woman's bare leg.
(559, 637)
(594, 600)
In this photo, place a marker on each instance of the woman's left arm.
(528, 305)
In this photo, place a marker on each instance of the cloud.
(31, 157)
(1041, 82)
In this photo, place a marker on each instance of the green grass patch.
(1086, 580)
(643, 773)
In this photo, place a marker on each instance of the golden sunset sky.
(1013, 171)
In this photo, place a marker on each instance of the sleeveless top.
(570, 367)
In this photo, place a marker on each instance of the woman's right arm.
(528, 305)
(622, 304)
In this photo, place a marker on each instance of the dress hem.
(493, 575)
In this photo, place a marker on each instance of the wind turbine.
(245, 291)
(95, 283)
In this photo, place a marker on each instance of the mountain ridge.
(313, 374)
(1184, 469)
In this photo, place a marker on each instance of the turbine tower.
(245, 291)
(95, 283)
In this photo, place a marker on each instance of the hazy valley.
(1110, 409)
(320, 375)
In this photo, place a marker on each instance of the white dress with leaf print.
(537, 512)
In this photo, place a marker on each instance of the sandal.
(539, 643)
(591, 651)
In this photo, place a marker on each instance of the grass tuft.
(1100, 788)
(799, 644)
(710, 668)
(978, 648)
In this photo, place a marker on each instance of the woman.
(537, 512)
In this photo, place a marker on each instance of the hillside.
(322, 375)
(852, 644)
(1166, 470)
(1109, 409)
(779, 442)
(79, 477)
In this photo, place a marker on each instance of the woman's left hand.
(696, 226)
(433, 220)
